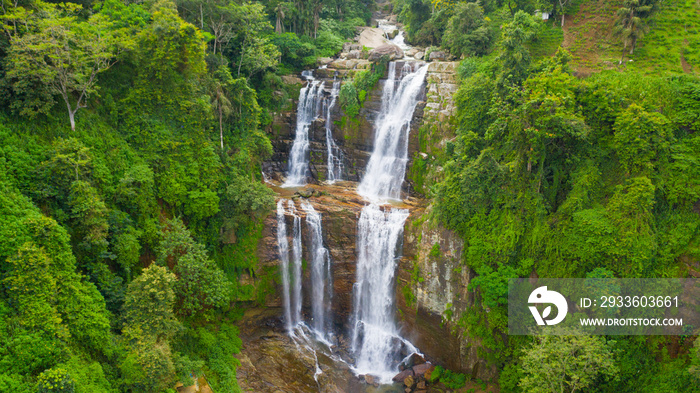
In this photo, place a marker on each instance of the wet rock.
(419, 55)
(421, 369)
(400, 377)
(308, 193)
(369, 379)
(409, 382)
(438, 55)
(411, 52)
(393, 34)
(420, 385)
(415, 360)
(291, 79)
(389, 51)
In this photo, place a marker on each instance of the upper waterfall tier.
(310, 104)
(387, 165)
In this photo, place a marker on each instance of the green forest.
(132, 135)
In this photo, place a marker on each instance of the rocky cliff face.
(432, 296)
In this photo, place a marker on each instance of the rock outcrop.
(388, 52)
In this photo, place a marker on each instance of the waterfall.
(321, 289)
(375, 337)
(283, 248)
(387, 164)
(291, 283)
(379, 237)
(335, 155)
(310, 101)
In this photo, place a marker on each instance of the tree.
(149, 304)
(257, 53)
(630, 23)
(201, 284)
(280, 12)
(147, 366)
(55, 380)
(32, 290)
(64, 54)
(640, 137)
(220, 83)
(516, 56)
(560, 364)
(466, 32)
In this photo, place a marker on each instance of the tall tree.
(631, 25)
(149, 303)
(64, 54)
(566, 364)
(280, 13)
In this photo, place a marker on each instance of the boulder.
(409, 381)
(419, 55)
(438, 55)
(392, 34)
(416, 359)
(390, 51)
(421, 369)
(324, 60)
(354, 54)
(411, 52)
(371, 37)
(306, 193)
(369, 379)
(400, 377)
(291, 80)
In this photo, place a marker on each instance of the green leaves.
(149, 303)
(641, 137)
(63, 55)
(200, 284)
(467, 32)
(560, 364)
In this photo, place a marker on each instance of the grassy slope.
(672, 43)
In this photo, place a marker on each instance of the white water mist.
(308, 109)
(387, 164)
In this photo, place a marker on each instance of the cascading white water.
(335, 155)
(310, 101)
(320, 272)
(379, 235)
(375, 338)
(296, 264)
(283, 248)
(387, 164)
(291, 272)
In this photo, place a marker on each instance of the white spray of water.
(291, 269)
(375, 337)
(387, 164)
(310, 101)
(335, 155)
(321, 289)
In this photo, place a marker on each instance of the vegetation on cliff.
(132, 199)
(566, 177)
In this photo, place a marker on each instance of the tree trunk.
(562, 19)
(71, 116)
